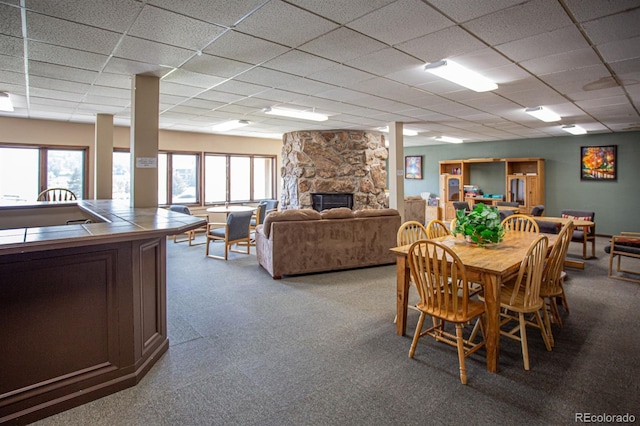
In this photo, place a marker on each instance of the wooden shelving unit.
(524, 182)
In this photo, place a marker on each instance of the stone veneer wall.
(334, 161)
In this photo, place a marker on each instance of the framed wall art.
(413, 167)
(598, 162)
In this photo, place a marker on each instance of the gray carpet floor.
(321, 349)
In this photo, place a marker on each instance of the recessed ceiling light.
(456, 73)
(406, 132)
(574, 129)
(229, 125)
(304, 115)
(5, 102)
(448, 139)
(542, 113)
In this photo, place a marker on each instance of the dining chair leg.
(460, 341)
(543, 331)
(547, 322)
(416, 336)
(523, 340)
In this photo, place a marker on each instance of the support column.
(396, 168)
(103, 158)
(144, 140)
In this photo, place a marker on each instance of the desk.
(578, 223)
(491, 267)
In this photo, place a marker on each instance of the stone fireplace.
(335, 161)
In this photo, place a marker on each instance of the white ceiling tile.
(620, 49)
(605, 90)
(562, 62)
(113, 80)
(11, 63)
(549, 43)
(219, 97)
(114, 15)
(628, 71)
(524, 20)
(586, 10)
(244, 48)
(54, 84)
(10, 21)
(62, 73)
(222, 12)
(441, 44)
(403, 20)
(70, 34)
(385, 61)
(342, 45)
(241, 88)
(615, 27)
(11, 46)
(600, 102)
(285, 24)
(65, 56)
(574, 80)
(340, 75)
(298, 62)
(169, 28)
(305, 86)
(169, 88)
(195, 79)
(216, 66)
(464, 10)
(346, 11)
(137, 49)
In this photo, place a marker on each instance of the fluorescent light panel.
(448, 139)
(5, 102)
(458, 74)
(229, 125)
(405, 132)
(574, 129)
(542, 113)
(304, 115)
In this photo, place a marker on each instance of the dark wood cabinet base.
(78, 323)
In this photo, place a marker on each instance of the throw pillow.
(568, 216)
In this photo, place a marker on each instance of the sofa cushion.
(289, 215)
(376, 212)
(337, 213)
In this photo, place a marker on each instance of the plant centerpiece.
(481, 226)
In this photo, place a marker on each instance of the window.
(181, 169)
(238, 178)
(233, 178)
(121, 179)
(25, 172)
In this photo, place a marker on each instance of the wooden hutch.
(524, 182)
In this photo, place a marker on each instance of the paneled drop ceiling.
(361, 62)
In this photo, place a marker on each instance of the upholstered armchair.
(234, 232)
(579, 234)
(191, 235)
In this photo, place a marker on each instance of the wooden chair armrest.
(629, 233)
(212, 225)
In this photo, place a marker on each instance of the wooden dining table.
(488, 266)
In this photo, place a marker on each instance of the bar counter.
(82, 305)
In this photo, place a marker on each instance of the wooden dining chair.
(57, 194)
(410, 232)
(436, 228)
(552, 277)
(520, 222)
(522, 297)
(441, 279)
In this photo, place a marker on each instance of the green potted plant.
(481, 226)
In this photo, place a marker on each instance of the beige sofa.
(303, 241)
